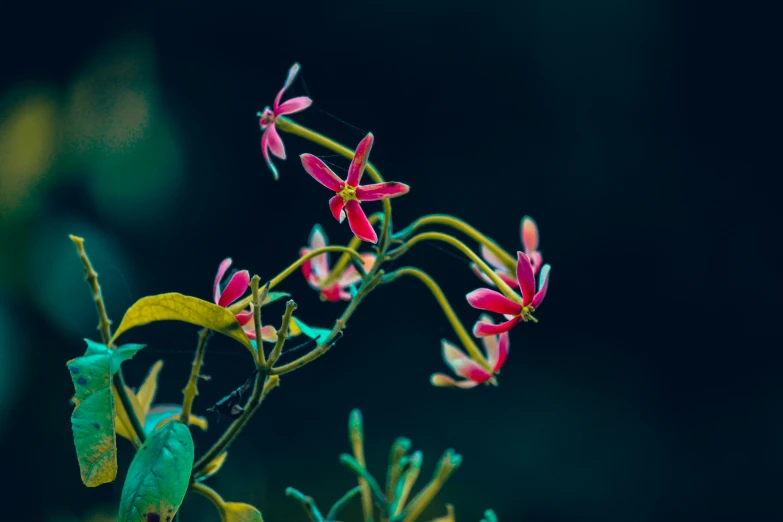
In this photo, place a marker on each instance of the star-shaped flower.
(349, 193)
(316, 270)
(515, 311)
(270, 140)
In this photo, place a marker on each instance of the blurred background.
(648, 391)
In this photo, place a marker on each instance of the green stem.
(357, 462)
(465, 228)
(261, 389)
(257, 300)
(438, 236)
(448, 463)
(284, 124)
(104, 326)
(191, 388)
(282, 333)
(448, 311)
(341, 503)
(339, 325)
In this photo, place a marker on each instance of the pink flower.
(349, 193)
(496, 348)
(528, 230)
(270, 140)
(235, 288)
(515, 312)
(316, 270)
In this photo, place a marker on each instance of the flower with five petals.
(528, 231)
(349, 193)
(270, 140)
(496, 348)
(515, 311)
(316, 270)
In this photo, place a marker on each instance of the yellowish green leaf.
(212, 467)
(178, 307)
(149, 387)
(239, 512)
(93, 417)
(158, 476)
(123, 424)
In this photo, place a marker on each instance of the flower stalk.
(190, 390)
(104, 326)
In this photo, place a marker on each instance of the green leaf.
(93, 418)
(238, 512)
(178, 307)
(158, 476)
(274, 296)
(321, 334)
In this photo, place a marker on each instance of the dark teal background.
(637, 134)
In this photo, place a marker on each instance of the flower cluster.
(512, 292)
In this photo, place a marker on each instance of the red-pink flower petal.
(222, 269)
(331, 293)
(244, 317)
(235, 288)
(314, 282)
(486, 299)
(307, 266)
(293, 105)
(265, 152)
(529, 233)
(336, 205)
(471, 370)
(510, 281)
(439, 379)
(543, 283)
(268, 333)
(322, 174)
(321, 261)
(503, 345)
(481, 329)
(536, 259)
(527, 281)
(359, 161)
(463, 365)
(390, 189)
(490, 342)
(275, 142)
(292, 72)
(491, 258)
(360, 225)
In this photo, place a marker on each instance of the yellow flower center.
(348, 193)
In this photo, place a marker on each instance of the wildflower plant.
(165, 467)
